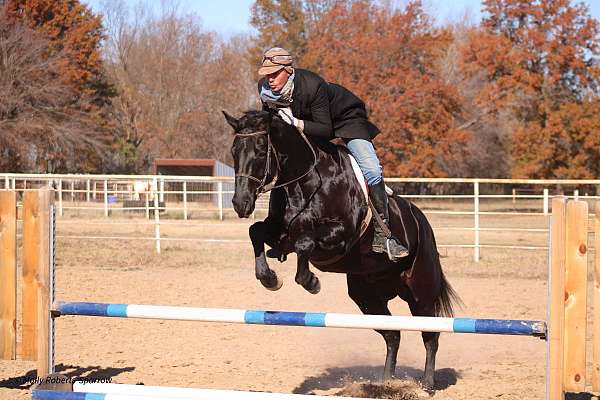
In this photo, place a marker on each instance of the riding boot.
(381, 242)
(277, 203)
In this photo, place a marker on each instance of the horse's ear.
(235, 124)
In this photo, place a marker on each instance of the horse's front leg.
(266, 276)
(304, 277)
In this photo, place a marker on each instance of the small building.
(196, 167)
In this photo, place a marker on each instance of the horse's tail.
(443, 305)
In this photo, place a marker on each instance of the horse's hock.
(567, 369)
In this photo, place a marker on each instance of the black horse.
(322, 225)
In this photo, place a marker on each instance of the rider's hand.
(287, 116)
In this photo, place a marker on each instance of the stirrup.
(403, 251)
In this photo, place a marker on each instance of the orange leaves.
(70, 28)
(539, 59)
(389, 57)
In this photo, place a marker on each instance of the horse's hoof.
(272, 283)
(277, 286)
(428, 386)
(316, 286)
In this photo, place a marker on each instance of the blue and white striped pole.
(112, 391)
(329, 320)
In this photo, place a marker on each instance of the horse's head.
(252, 159)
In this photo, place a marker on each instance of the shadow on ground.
(70, 371)
(581, 396)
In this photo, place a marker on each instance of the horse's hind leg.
(431, 342)
(266, 276)
(365, 296)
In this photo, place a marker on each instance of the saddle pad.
(363, 185)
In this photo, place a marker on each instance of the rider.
(326, 110)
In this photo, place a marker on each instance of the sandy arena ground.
(505, 284)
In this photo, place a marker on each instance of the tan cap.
(275, 59)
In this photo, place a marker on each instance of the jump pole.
(309, 319)
(112, 391)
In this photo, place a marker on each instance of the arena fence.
(178, 200)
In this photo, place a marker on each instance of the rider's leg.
(274, 220)
(364, 153)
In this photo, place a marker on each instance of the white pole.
(72, 191)
(162, 190)
(60, 204)
(120, 391)
(514, 194)
(14, 183)
(185, 211)
(147, 198)
(105, 198)
(94, 191)
(6, 183)
(156, 218)
(545, 201)
(87, 190)
(476, 207)
(220, 199)
(576, 194)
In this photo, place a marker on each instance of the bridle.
(263, 186)
(261, 182)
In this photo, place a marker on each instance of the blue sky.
(229, 17)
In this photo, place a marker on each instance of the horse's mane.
(253, 118)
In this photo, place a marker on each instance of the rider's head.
(277, 66)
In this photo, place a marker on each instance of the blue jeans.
(364, 153)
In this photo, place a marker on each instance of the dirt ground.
(505, 284)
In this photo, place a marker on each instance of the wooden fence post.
(575, 296)
(556, 311)
(36, 271)
(8, 275)
(596, 318)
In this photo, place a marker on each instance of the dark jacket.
(328, 110)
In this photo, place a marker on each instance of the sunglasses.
(278, 60)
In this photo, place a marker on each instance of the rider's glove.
(287, 116)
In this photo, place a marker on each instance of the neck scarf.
(282, 98)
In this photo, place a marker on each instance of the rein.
(263, 186)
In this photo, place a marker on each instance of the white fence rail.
(189, 197)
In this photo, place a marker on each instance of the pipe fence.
(163, 200)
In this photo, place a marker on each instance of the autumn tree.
(279, 23)
(538, 61)
(173, 79)
(392, 64)
(71, 29)
(73, 35)
(40, 131)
